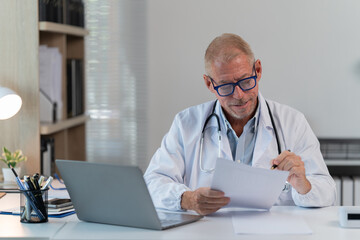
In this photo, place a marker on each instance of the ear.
(208, 83)
(258, 69)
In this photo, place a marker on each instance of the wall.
(19, 70)
(309, 51)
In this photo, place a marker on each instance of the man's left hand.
(288, 161)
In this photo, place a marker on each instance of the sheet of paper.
(248, 187)
(268, 222)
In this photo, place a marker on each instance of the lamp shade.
(10, 103)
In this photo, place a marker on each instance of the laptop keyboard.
(173, 219)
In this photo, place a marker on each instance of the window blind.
(116, 81)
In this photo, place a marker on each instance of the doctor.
(242, 126)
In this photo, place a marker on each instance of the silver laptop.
(115, 194)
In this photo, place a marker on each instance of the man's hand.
(203, 200)
(288, 161)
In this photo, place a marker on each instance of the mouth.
(240, 105)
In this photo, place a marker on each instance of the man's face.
(241, 104)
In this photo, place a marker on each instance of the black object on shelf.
(341, 155)
(47, 156)
(51, 10)
(75, 88)
(69, 12)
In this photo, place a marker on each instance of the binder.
(48, 109)
(347, 191)
(356, 190)
(47, 157)
(338, 190)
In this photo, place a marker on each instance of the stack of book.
(58, 207)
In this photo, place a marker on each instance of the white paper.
(50, 77)
(268, 222)
(248, 187)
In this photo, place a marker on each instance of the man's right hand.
(204, 200)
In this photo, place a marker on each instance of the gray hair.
(224, 48)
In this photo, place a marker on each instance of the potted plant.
(11, 159)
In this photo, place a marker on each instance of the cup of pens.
(33, 207)
(33, 197)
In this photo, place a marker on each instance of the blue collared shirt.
(242, 148)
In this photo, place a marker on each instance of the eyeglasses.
(228, 89)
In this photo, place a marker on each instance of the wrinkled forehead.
(235, 68)
(230, 57)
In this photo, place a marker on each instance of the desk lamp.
(10, 103)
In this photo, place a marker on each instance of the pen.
(28, 196)
(35, 180)
(47, 183)
(41, 179)
(274, 165)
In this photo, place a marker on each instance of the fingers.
(288, 161)
(204, 200)
(279, 159)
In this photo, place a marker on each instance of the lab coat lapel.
(264, 136)
(225, 146)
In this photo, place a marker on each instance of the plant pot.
(9, 176)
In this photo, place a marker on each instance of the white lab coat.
(175, 168)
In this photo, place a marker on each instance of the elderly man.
(254, 131)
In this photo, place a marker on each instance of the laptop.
(115, 194)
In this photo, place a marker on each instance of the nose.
(238, 93)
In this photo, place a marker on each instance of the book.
(75, 87)
(75, 13)
(51, 11)
(59, 203)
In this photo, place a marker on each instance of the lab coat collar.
(255, 120)
(261, 115)
(264, 135)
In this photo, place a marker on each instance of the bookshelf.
(20, 38)
(69, 132)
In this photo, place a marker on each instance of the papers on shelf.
(268, 222)
(248, 187)
(50, 75)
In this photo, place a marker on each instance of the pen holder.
(33, 207)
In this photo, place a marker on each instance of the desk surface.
(323, 222)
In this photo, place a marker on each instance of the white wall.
(310, 52)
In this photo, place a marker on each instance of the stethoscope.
(213, 114)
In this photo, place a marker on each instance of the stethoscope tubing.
(213, 114)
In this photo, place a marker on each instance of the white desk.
(323, 222)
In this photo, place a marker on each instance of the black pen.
(27, 195)
(274, 165)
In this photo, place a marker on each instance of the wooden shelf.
(62, 28)
(50, 128)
